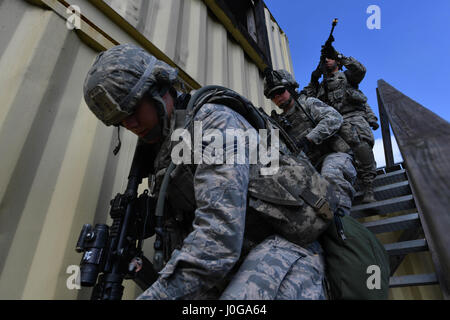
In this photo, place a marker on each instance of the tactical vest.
(341, 94)
(298, 125)
(296, 202)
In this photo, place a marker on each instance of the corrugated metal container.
(57, 171)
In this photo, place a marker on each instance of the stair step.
(394, 224)
(413, 280)
(389, 191)
(405, 247)
(383, 207)
(395, 167)
(390, 178)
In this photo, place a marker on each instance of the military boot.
(368, 194)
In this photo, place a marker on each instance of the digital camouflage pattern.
(298, 125)
(279, 270)
(337, 168)
(127, 72)
(280, 79)
(215, 235)
(208, 224)
(220, 224)
(352, 104)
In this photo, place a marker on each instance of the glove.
(374, 125)
(304, 144)
(315, 75)
(329, 52)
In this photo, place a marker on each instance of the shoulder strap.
(231, 99)
(258, 119)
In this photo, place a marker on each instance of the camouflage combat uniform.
(344, 96)
(216, 214)
(221, 232)
(336, 167)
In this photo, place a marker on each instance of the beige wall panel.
(216, 54)
(271, 29)
(236, 69)
(102, 22)
(23, 138)
(53, 155)
(253, 83)
(279, 45)
(16, 80)
(287, 55)
(279, 63)
(191, 42)
(57, 169)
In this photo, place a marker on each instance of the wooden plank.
(413, 280)
(385, 132)
(423, 138)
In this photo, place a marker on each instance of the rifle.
(116, 252)
(321, 67)
(336, 142)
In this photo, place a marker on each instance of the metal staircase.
(413, 198)
(396, 211)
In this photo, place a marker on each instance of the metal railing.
(423, 139)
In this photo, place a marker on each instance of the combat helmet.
(274, 80)
(120, 77)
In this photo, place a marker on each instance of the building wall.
(57, 170)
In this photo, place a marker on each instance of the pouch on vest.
(357, 268)
(355, 96)
(296, 201)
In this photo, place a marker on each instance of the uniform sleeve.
(369, 114)
(327, 119)
(214, 246)
(355, 70)
(311, 90)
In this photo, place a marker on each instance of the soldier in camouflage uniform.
(312, 125)
(340, 90)
(219, 219)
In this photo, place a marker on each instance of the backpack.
(297, 202)
(356, 262)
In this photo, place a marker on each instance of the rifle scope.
(92, 241)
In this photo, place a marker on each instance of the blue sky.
(411, 51)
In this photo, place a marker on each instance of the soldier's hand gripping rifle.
(116, 252)
(326, 52)
(336, 142)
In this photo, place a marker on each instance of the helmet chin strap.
(161, 130)
(287, 103)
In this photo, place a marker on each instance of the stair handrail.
(422, 137)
